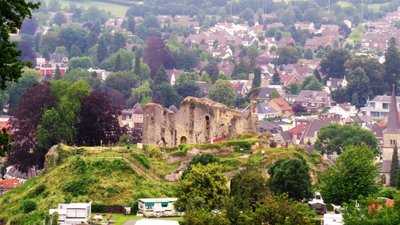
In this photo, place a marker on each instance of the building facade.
(157, 207)
(378, 108)
(73, 213)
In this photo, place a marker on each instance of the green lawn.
(120, 219)
(113, 8)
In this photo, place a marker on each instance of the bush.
(37, 191)
(79, 186)
(182, 150)
(28, 205)
(100, 208)
(240, 145)
(142, 159)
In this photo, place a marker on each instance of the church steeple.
(393, 124)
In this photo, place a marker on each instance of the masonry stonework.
(198, 120)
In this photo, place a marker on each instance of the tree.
(212, 70)
(394, 170)
(291, 176)
(257, 79)
(392, 62)
(34, 102)
(74, 38)
(83, 62)
(102, 50)
(121, 60)
(142, 94)
(287, 55)
(204, 217)
(29, 26)
(248, 187)
(276, 79)
(161, 76)
(353, 175)
(29, 79)
(333, 65)
(335, 138)
(57, 73)
(361, 213)
(165, 94)
(202, 159)
(294, 89)
(311, 83)
(98, 121)
(281, 210)
(203, 188)
(222, 92)
(156, 54)
(131, 24)
(187, 86)
(122, 82)
(11, 18)
(82, 74)
(358, 88)
(59, 18)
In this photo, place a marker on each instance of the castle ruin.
(198, 120)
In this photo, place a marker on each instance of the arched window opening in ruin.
(165, 113)
(183, 140)
(207, 126)
(164, 143)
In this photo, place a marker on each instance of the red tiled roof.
(9, 183)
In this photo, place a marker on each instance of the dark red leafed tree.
(25, 120)
(98, 121)
(156, 54)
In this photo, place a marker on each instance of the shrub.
(28, 205)
(79, 186)
(240, 145)
(142, 159)
(100, 208)
(182, 150)
(37, 191)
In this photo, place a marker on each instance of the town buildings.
(378, 107)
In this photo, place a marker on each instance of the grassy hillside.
(120, 175)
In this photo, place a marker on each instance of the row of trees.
(366, 76)
(253, 199)
(61, 112)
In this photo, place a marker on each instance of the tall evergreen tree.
(137, 69)
(392, 64)
(57, 73)
(102, 51)
(118, 63)
(276, 79)
(394, 171)
(161, 76)
(257, 78)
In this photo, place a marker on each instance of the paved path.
(131, 222)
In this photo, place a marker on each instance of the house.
(73, 213)
(265, 112)
(281, 106)
(378, 107)
(100, 73)
(263, 93)
(8, 184)
(131, 118)
(313, 101)
(333, 219)
(311, 131)
(346, 111)
(336, 83)
(157, 207)
(242, 87)
(47, 69)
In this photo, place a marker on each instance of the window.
(375, 114)
(392, 142)
(385, 105)
(164, 204)
(149, 205)
(372, 104)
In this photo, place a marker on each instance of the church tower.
(391, 137)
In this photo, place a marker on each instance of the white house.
(73, 213)
(378, 108)
(157, 207)
(333, 219)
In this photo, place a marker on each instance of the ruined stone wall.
(197, 121)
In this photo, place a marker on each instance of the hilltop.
(120, 175)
